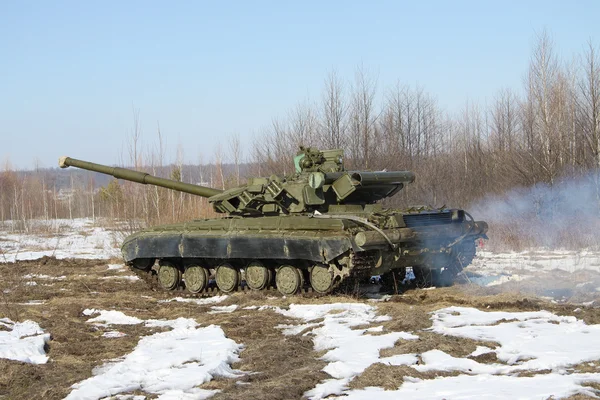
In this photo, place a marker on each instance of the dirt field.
(281, 367)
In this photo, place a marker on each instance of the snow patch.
(115, 267)
(379, 297)
(168, 364)
(23, 341)
(349, 351)
(223, 309)
(527, 340)
(207, 300)
(113, 334)
(481, 350)
(488, 387)
(42, 276)
(125, 277)
(495, 280)
(111, 317)
(77, 238)
(33, 303)
(489, 263)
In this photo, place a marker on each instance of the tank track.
(362, 264)
(150, 278)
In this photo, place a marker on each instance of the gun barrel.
(139, 177)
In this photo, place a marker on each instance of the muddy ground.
(283, 367)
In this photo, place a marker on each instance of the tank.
(311, 231)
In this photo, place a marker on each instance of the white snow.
(168, 364)
(111, 317)
(77, 238)
(33, 303)
(494, 269)
(481, 350)
(485, 387)
(349, 351)
(223, 309)
(207, 300)
(378, 297)
(42, 276)
(115, 267)
(23, 341)
(494, 280)
(527, 342)
(490, 263)
(124, 277)
(113, 334)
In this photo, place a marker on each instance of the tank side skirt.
(323, 249)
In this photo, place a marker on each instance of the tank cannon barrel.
(139, 177)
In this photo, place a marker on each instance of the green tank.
(313, 230)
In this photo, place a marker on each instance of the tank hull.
(284, 238)
(264, 245)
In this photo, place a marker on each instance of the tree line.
(541, 133)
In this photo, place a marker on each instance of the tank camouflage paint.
(315, 229)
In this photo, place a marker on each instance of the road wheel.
(196, 278)
(169, 276)
(321, 278)
(227, 277)
(257, 276)
(289, 280)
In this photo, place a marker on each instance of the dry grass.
(77, 347)
(278, 366)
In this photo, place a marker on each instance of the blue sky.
(70, 72)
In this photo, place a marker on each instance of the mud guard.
(177, 245)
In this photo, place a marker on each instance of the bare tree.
(218, 153)
(236, 153)
(303, 126)
(333, 112)
(589, 109)
(363, 116)
(543, 100)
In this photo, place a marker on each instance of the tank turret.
(319, 182)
